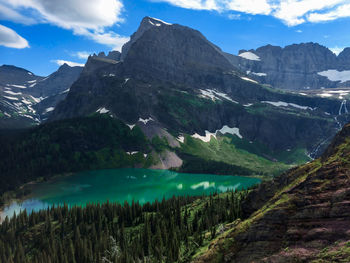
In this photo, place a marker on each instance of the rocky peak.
(292, 67)
(159, 50)
(146, 24)
(344, 59)
(115, 55)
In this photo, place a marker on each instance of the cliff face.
(301, 216)
(295, 67)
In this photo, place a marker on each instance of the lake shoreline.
(24, 192)
(11, 196)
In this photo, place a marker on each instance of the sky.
(41, 35)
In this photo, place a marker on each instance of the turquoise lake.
(129, 184)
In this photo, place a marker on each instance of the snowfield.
(250, 56)
(286, 104)
(214, 95)
(335, 75)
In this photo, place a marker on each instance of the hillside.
(301, 216)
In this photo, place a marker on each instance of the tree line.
(163, 231)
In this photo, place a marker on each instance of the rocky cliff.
(296, 67)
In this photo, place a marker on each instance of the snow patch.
(37, 100)
(31, 81)
(303, 94)
(12, 93)
(286, 104)
(259, 74)
(49, 109)
(132, 153)
(234, 131)
(325, 95)
(145, 121)
(214, 95)
(249, 55)
(126, 80)
(335, 75)
(154, 24)
(181, 139)
(205, 138)
(26, 102)
(248, 79)
(18, 86)
(10, 98)
(6, 114)
(131, 126)
(161, 21)
(248, 104)
(65, 91)
(225, 129)
(102, 110)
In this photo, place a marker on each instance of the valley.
(173, 150)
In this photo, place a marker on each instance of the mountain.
(173, 83)
(296, 67)
(27, 99)
(301, 216)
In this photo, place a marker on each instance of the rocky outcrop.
(300, 216)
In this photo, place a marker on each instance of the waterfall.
(343, 104)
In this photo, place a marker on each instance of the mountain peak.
(146, 24)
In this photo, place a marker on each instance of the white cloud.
(336, 50)
(299, 31)
(249, 6)
(60, 62)
(291, 12)
(7, 13)
(109, 38)
(90, 18)
(10, 38)
(82, 54)
(339, 12)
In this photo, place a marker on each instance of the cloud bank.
(291, 12)
(90, 18)
(10, 38)
(60, 62)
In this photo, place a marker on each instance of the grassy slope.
(234, 151)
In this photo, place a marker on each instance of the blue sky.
(40, 34)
